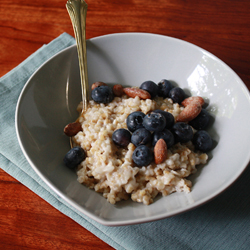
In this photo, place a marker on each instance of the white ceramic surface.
(49, 99)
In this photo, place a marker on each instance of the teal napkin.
(223, 223)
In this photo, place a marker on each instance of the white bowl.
(49, 99)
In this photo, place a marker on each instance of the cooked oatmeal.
(110, 170)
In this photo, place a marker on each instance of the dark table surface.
(221, 27)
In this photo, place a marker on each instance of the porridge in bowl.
(139, 142)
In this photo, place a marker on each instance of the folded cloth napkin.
(223, 223)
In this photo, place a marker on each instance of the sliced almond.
(160, 151)
(133, 92)
(72, 129)
(97, 84)
(189, 113)
(118, 90)
(193, 99)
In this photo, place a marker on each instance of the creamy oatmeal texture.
(111, 171)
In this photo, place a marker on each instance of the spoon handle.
(77, 10)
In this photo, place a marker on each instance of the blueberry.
(202, 141)
(151, 87)
(134, 120)
(102, 94)
(121, 137)
(154, 121)
(142, 156)
(182, 132)
(177, 94)
(74, 157)
(164, 86)
(168, 116)
(166, 135)
(201, 121)
(141, 137)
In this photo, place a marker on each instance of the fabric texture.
(223, 223)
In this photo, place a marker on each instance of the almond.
(193, 99)
(189, 112)
(133, 92)
(160, 151)
(72, 129)
(97, 84)
(118, 90)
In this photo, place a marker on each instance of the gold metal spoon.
(77, 10)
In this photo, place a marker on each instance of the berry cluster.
(145, 130)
